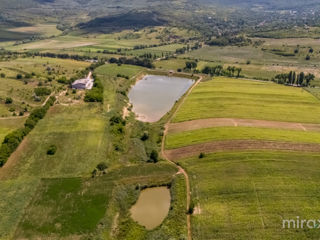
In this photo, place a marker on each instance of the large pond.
(152, 207)
(154, 96)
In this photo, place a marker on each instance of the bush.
(202, 155)
(19, 76)
(96, 93)
(145, 136)
(52, 150)
(2, 75)
(8, 100)
(102, 166)
(154, 156)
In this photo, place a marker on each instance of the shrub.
(96, 93)
(8, 100)
(102, 166)
(202, 155)
(2, 75)
(52, 150)
(154, 156)
(145, 136)
(19, 76)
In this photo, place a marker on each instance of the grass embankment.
(204, 135)
(246, 195)
(234, 98)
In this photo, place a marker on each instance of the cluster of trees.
(230, 41)
(12, 140)
(188, 48)
(42, 91)
(143, 62)
(294, 79)
(191, 65)
(96, 93)
(63, 56)
(218, 70)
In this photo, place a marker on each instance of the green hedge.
(13, 139)
(96, 93)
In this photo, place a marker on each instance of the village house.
(86, 83)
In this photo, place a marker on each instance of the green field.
(245, 195)
(9, 125)
(203, 135)
(235, 98)
(79, 132)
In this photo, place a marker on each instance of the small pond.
(154, 96)
(152, 207)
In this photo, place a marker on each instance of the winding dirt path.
(236, 122)
(180, 169)
(233, 145)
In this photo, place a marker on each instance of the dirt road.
(180, 169)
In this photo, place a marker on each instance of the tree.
(238, 71)
(2, 75)
(301, 78)
(19, 76)
(310, 77)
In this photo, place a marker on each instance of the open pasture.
(236, 98)
(78, 132)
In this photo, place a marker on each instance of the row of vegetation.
(294, 79)
(12, 140)
(218, 70)
(96, 93)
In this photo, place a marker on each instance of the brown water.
(152, 207)
(154, 96)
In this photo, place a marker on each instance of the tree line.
(230, 71)
(294, 79)
(13, 139)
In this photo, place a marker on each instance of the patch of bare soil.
(227, 122)
(233, 145)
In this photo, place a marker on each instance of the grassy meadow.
(235, 98)
(79, 132)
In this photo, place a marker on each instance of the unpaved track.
(180, 169)
(236, 145)
(236, 122)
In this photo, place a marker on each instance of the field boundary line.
(239, 122)
(240, 145)
(180, 169)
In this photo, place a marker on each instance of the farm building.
(85, 83)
